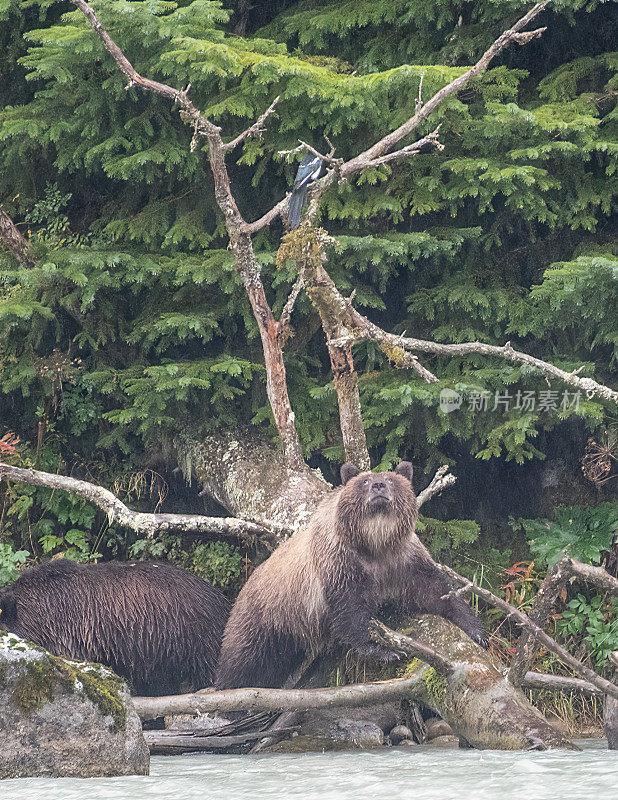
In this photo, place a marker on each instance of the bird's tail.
(298, 201)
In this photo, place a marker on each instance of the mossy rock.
(64, 718)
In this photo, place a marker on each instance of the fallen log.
(474, 695)
(258, 699)
(177, 742)
(465, 685)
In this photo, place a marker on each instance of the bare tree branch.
(240, 241)
(589, 675)
(441, 480)
(386, 144)
(257, 129)
(545, 599)
(364, 330)
(142, 523)
(15, 243)
(559, 683)
(424, 145)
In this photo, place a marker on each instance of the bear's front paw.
(481, 638)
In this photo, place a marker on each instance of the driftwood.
(463, 684)
(258, 699)
(171, 743)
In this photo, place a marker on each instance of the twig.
(141, 523)
(334, 162)
(257, 129)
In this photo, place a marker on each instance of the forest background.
(133, 326)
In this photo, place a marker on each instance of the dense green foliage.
(582, 533)
(134, 325)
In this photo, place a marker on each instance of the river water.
(397, 773)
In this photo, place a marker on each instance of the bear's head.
(376, 508)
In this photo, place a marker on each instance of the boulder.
(63, 718)
(437, 727)
(399, 733)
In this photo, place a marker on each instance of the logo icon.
(450, 400)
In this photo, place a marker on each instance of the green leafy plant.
(217, 562)
(582, 533)
(10, 562)
(595, 618)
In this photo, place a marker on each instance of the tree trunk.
(248, 477)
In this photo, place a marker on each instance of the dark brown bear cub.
(321, 587)
(156, 625)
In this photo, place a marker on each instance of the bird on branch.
(310, 169)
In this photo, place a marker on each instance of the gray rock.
(343, 725)
(400, 733)
(445, 741)
(437, 727)
(63, 718)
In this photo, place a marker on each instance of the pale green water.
(389, 774)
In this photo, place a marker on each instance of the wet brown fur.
(321, 587)
(154, 624)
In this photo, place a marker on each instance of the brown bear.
(157, 626)
(321, 587)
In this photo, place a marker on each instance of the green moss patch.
(35, 686)
(100, 686)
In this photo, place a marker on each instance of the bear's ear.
(405, 469)
(348, 471)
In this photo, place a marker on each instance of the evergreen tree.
(134, 323)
